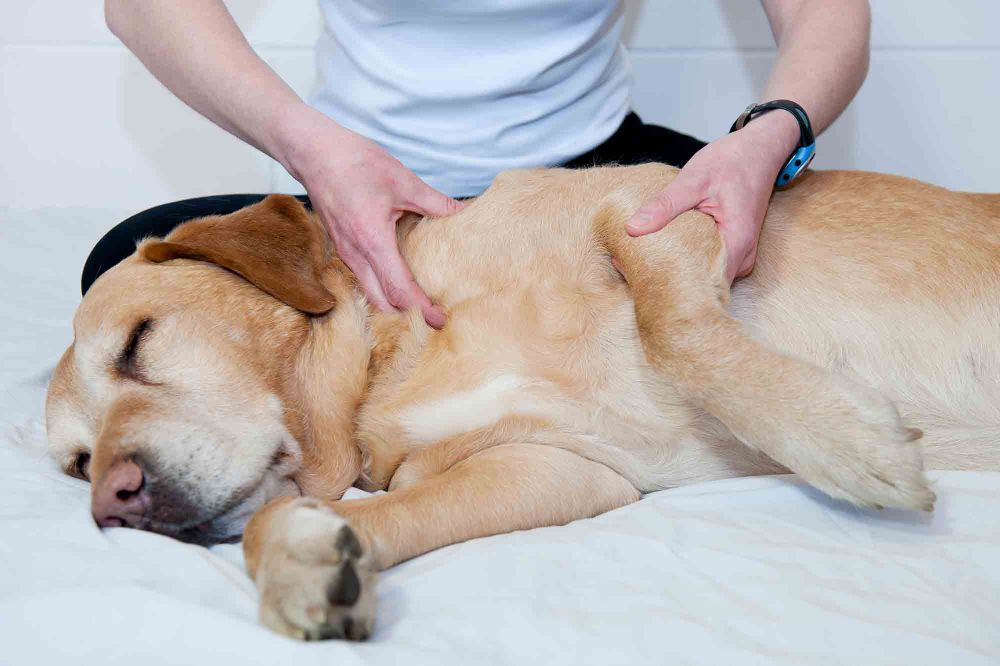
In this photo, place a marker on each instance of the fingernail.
(435, 316)
(637, 225)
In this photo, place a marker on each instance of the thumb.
(427, 201)
(678, 197)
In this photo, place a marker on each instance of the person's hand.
(730, 179)
(359, 192)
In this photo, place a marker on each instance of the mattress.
(742, 571)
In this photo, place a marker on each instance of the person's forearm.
(195, 48)
(358, 189)
(822, 61)
(822, 54)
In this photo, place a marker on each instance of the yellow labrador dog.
(232, 371)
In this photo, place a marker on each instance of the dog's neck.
(326, 384)
(343, 353)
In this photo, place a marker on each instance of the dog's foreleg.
(502, 489)
(843, 438)
(314, 563)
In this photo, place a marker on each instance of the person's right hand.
(360, 192)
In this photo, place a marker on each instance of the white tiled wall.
(83, 124)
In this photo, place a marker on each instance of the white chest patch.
(465, 411)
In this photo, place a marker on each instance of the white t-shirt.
(459, 90)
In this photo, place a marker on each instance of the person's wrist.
(777, 135)
(294, 137)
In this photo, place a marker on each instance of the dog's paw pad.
(317, 581)
(345, 588)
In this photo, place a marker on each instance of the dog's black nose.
(120, 497)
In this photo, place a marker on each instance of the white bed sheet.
(760, 570)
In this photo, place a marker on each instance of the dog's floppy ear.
(274, 244)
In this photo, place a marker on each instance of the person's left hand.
(730, 179)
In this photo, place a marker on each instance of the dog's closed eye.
(127, 364)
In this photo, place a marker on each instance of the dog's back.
(887, 280)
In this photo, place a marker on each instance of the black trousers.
(634, 142)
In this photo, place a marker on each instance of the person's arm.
(195, 48)
(822, 61)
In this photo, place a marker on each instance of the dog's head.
(180, 398)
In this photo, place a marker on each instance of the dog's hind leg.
(843, 438)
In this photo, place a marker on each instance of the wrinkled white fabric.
(745, 571)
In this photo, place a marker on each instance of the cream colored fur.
(863, 347)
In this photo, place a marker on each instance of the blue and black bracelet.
(803, 155)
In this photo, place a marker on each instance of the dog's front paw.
(866, 455)
(315, 580)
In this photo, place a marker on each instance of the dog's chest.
(502, 395)
(494, 378)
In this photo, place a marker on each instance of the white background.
(84, 125)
